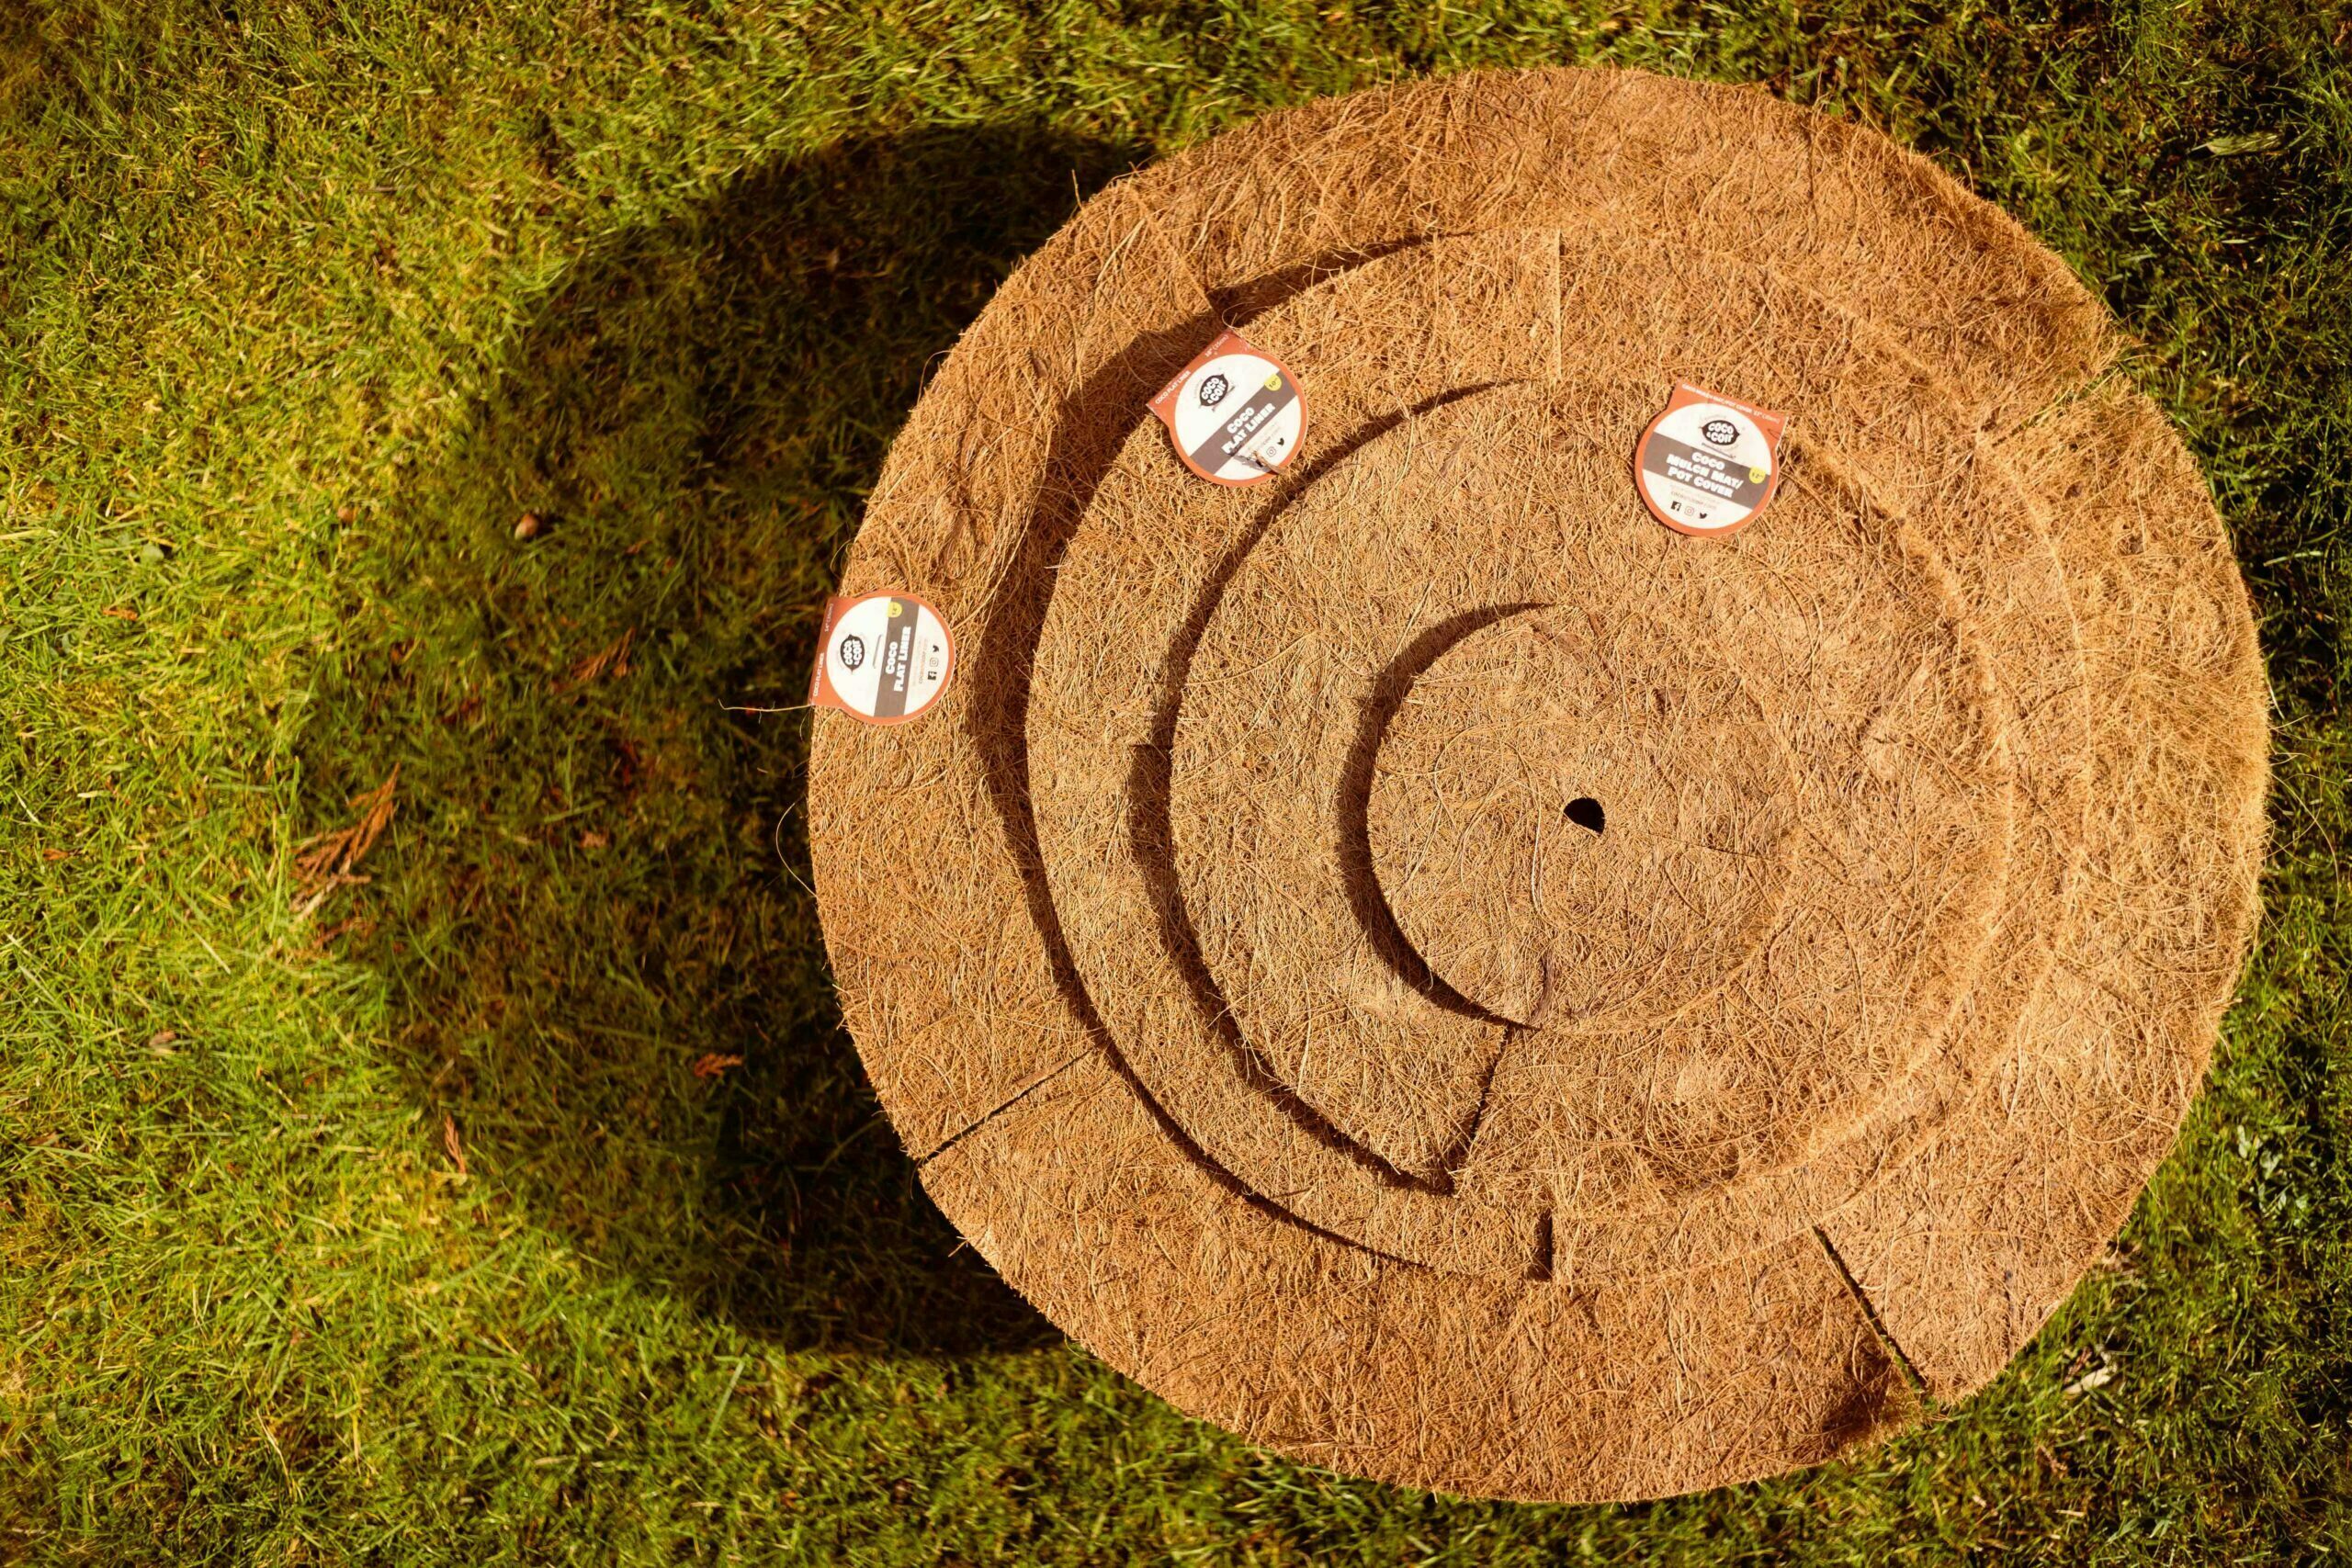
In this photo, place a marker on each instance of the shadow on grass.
(592, 911)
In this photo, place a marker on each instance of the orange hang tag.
(1709, 464)
(1236, 415)
(881, 658)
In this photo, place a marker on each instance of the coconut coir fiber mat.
(1426, 967)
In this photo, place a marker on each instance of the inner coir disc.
(1425, 966)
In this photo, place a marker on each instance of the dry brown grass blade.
(610, 660)
(330, 859)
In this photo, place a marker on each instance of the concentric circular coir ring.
(1872, 666)
(981, 872)
(1076, 799)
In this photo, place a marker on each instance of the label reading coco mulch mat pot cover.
(1427, 968)
(1708, 464)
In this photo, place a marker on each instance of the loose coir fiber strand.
(1224, 943)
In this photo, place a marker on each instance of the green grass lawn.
(524, 1200)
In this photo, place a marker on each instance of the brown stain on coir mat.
(1427, 968)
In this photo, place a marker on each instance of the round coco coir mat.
(1426, 967)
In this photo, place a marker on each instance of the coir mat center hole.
(1585, 812)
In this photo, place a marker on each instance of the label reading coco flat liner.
(1235, 414)
(1709, 464)
(881, 658)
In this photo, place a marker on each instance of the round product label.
(1707, 465)
(1236, 414)
(883, 658)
